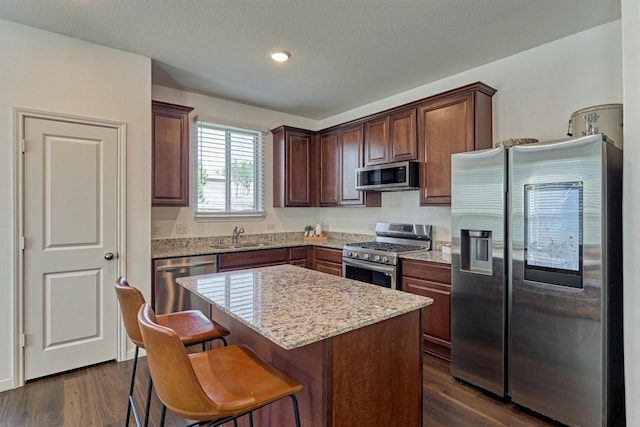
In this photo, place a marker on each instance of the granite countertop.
(169, 248)
(293, 306)
(429, 256)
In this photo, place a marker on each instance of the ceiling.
(345, 53)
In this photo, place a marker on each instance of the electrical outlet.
(181, 228)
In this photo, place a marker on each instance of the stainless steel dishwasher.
(170, 296)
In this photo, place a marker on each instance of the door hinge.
(22, 242)
(22, 145)
(23, 340)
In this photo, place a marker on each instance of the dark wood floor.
(96, 396)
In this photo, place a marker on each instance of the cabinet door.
(402, 131)
(432, 281)
(437, 319)
(170, 154)
(327, 260)
(299, 151)
(329, 267)
(298, 256)
(329, 163)
(444, 127)
(376, 137)
(351, 154)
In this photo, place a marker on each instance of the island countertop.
(293, 306)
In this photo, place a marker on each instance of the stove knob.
(385, 259)
(376, 258)
(365, 256)
(356, 254)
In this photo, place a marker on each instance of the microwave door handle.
(369, 266)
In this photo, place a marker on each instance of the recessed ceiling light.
(280, 55)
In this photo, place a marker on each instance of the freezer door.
(558, 304)
(478, 276)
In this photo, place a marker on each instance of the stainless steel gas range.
(378, 262)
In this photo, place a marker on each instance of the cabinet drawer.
(298, 253)
(329, 267)
(252, 259)
(328, 254)
(425, 271)
(437, 316)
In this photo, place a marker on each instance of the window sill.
(230, 216)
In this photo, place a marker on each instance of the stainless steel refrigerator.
(536, 305)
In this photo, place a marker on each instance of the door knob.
(108, 256)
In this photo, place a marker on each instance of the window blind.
(229, 171)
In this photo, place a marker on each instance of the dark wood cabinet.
(250, 259)
(456, 121)
(327, 260)
(341, 153)
(433, 281)
(376, 136)
(293, 176)
(391, 138)
(402, 131)
(329, 165)
(318, 169)
(298, 256)
(170, 154)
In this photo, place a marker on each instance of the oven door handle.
(389, 270)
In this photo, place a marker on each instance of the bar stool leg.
(295, 409)
(130, 402)
(162, 415)
(147, 405)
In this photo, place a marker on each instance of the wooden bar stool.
(191, 326)
(215, 386)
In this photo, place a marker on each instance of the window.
(229, 171)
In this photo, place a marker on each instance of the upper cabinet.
(170, 154)
(391, 138)
(329, 168)
(453, 122)
(318, 169)
(293, 178)
(341, 153)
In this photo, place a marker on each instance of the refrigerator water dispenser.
(475, 250)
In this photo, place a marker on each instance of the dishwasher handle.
(184, 265)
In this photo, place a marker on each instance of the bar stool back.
(217, 385)
(191, 326)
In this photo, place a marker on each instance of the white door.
(70, 229)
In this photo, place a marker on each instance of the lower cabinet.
(250, 259)
(327, 260)
(298, 256)
(432, 280)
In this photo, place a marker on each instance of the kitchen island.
(355, 347)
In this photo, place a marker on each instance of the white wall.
(164, 219)
(538, 90)
(631, 205)
(48, 72)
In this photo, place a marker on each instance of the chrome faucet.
(235, 234)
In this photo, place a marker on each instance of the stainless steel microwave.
(397, 176)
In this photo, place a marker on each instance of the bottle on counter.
(318, 230)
